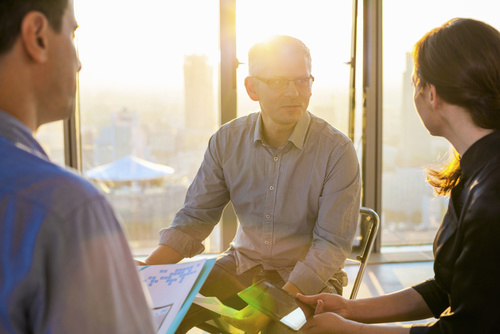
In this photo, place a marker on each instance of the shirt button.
(268, 216)
(266, 242)
(275, 158)
(271, 188)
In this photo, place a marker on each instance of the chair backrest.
(368, 225)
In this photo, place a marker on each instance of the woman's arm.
(404, 305)
(335, 314)
(331, 323)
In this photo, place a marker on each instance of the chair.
(368, 225)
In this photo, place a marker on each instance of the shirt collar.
(15, 131)
(298, 135)
(479, 153)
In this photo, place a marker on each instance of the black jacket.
(465, 292)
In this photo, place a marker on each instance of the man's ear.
(34, 36)
(249, 85)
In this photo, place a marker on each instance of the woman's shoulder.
(485, 188)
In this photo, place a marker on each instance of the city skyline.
(134, 69)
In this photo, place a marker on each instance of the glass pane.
(324, 26)
(411, 213)
(51, 137)
(148, 101)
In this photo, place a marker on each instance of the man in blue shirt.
(65, 265)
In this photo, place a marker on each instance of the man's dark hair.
(12, 13)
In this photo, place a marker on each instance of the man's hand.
(140, 263)
(291, 288)
(163, 254)
(249, 320)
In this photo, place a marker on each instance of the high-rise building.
(199, 98)
(415, 146)
(123, 137)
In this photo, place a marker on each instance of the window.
(150, 99)
(148, 102)
(411, 213)
(51, 138)
(149, 93)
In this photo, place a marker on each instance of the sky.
(143, 43)
(122, 40)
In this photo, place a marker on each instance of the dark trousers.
(224, 283)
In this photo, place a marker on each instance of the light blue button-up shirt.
(65, 265)
(297, 206)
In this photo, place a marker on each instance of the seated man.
(294, 183)
(65, 265)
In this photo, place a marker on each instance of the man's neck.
(277, 137)
(27, 119)
(16, 98)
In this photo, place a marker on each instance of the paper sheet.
(171, 287)
(214, 304)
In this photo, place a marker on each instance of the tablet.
(277, 304)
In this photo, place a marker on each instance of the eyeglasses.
(281, 83)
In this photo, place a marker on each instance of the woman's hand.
(330, 323)
(333, 315)
(249, 320)
(326, 302)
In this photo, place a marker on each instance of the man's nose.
(291, 89)
(79, 65)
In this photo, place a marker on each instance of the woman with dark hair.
(457, 96)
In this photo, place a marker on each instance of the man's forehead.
(290, 51)
(286, 59)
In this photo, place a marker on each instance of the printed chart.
(172, 287)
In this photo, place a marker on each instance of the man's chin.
(62, 115)
(293, 108)
(295, 112)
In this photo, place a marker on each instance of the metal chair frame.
(366, 233)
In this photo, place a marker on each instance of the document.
(172, 289)
(215, 305)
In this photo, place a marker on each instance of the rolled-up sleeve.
(205, 201)
(335, 226)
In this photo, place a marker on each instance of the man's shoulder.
(238, 130)
(32, 178)
(326, 131)
(241, 122)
